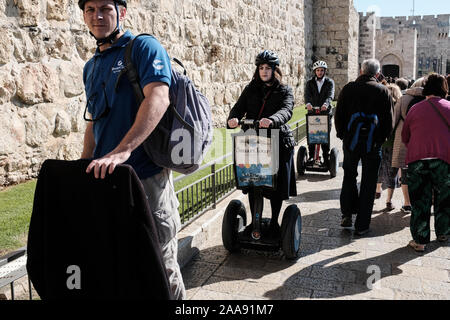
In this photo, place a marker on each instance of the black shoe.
(406, 209)
(346, 222)
(389, 207)
(361, 232)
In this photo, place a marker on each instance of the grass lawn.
(16, 202)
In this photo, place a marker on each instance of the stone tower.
(408, 47)
(336, 39)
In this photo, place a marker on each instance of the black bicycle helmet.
(119, 2)
(268, 57)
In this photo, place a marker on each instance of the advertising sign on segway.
(318, 127)
(254, 165)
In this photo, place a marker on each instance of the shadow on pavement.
(320, 231)
(312, 196)
(350, 277)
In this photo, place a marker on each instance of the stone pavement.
(333, 263)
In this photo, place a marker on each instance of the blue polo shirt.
(100, 75)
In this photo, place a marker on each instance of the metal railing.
(216, 183)
(12, 268)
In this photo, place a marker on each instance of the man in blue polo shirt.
(117, 126)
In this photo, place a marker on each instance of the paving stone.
(309, 248)
(314, 259)
(203, 294)
(274, 292)
(438, 250)
(216, 255)
(402, 295)
(440, 263)
(247, 260)
(317, 294)
(190, 293)
(197, 272)
(335, 231)
(295, 270)
(332, 273)
(436, 287)
(315, 284)
(332, 250)
(248, 274)
(358, 291)
(316, 231)
(402, 283)
(428, 273)
(223, 285)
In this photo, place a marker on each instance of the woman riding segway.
(270, 102)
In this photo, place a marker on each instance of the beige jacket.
(399, 149)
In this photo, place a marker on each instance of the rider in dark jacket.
(319, 92)
(266, 99)
(364, 96)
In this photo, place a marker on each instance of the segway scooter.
(317, 133)
(255, 167)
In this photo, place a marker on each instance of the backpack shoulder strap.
(131, 71)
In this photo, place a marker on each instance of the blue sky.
(385, 8)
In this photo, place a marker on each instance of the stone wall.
(419, 45)
(433, 44)
(397, 47)
(353, 44)
(309, 37)
(336, 30)
(42, 51)
(367, 33)
(45, 44)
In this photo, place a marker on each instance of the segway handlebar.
(317, 110)
(250, 123)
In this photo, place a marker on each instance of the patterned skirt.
(388, 176)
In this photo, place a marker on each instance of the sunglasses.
(90, 103)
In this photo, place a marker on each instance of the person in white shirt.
(319, 92)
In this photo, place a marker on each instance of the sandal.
(417, 247)
(442, 238)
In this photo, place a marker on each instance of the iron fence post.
(213, 172)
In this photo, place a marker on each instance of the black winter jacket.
(102, 226)
(325, 96)
(278, 107)
(367, 95)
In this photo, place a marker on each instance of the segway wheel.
(302, 156)
(291, 231)
(234, 220)
(334, 162)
